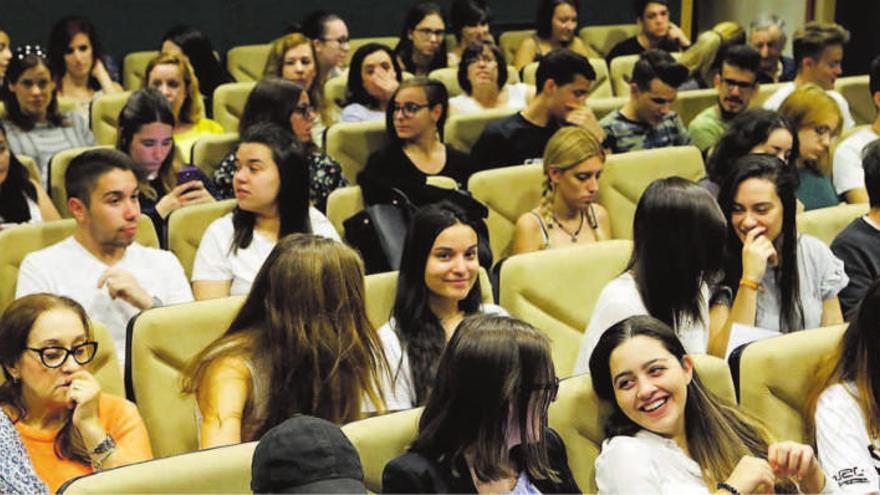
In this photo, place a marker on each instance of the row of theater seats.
(776, 378)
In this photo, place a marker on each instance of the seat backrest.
(462, 131)
(509, 42)
(532, 290)
(690, 103)
(579, 416)
(105, 116)
(765, 91)
(355, 43)
(229, 100)
(134, 67)
(601, 87)
(627, 175)
(342, 203)
(162, 343)
(507, 192)
(246, 63)
(211, 149)
(57, 168)
(603, 38)
(17, 242)
(220, 470)
(187, 225)
(351, 143)
(825, 223)
(31, 166)
(857, 92)
(334, 91)
(380, 439)
(777, 375)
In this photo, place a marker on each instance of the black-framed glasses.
(342, 40)
(304, 110)
(428, 32)
(56, 356)
(408, 109)
(733, 83)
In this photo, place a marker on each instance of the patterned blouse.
(325, 176)
(17, 476)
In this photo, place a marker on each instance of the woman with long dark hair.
(669, 276)
(22, 199)
(197, 47)
(271, 190)
(556, 23)
(301, 344)
(437, 287)
(373, 78)
(422, 45)
(669, 434)
(782, 280)
(484, 428)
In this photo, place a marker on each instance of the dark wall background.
(127, 25)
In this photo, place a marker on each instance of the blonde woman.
(567, 215)
(174, 77)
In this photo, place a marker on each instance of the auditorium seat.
(449, 77)
(352, 143)
(555, 290)
(380, 439)
(462, 131)
(187, 225)
(246, 63)
(509, 42)
(690, 103)
(57, 168)
(602, 39)
(825, 223)
(105, 116)
(31, 166)
(211, 149)
(229, 100)
(857, 92)
(134, 66)
(601, 87)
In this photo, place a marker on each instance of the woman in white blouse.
(271, 186)
(669, 434)
(482, 74)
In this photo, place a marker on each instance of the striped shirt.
(625, 135)
(44, 140)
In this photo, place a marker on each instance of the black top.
(789, 70)
(858, 246)
(391, 168)
(415, 473)
(512, 140)
(631, 46)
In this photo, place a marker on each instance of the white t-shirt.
(68, 269)
(775, 101)
(398, 361)
(848, 172)
(845, 450)
(619, 300)
(214, 261)
(517, 96)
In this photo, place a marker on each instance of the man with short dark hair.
(818, 53)
(848, 176)
(655, 31)
(646, 120)
(563, 81)
(100, 266)
(736, 84)
(858, 245)
(767, 36)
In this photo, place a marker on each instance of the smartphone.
(187, 174)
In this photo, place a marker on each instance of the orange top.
(119, 418)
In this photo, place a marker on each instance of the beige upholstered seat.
(602, 39)
(352, 143)
(690, 103)
(57, 168)
(777, 374)
(186, 227)
(507, 192)
(765, 91)
(220, 470)
(449, 77)
(601, 87)
(105, 116)
(355, 43)
(246, 63)
(31, 166)
(462, 131)
(229, 100)
(825, 223)
(556, 289)
(861, 103)
(134, 66)
(17, 242)
(577, 415)
(211, 149)
(334, 91)
(627, 175)
(509, 42)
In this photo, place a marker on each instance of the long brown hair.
(306, 316)
(718, 434)
(856, 360)
(15, 327)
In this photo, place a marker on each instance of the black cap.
(306, 454)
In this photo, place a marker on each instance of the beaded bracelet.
(727, 486)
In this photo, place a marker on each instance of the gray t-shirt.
(821, 277)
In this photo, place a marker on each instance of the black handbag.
(379, 232)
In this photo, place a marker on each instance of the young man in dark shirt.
(656, 32)
(563, 81)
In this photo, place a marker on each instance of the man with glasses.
(646, 120)
(818, 53)
(736, 85)
(100, 266)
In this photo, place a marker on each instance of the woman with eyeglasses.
(482, 74)
(329, 36)
(68, 426)
(817, 120)
(484, 428)
(414, 126)
(422, 45)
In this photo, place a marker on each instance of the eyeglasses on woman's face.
(56, 356)
(408, 109)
